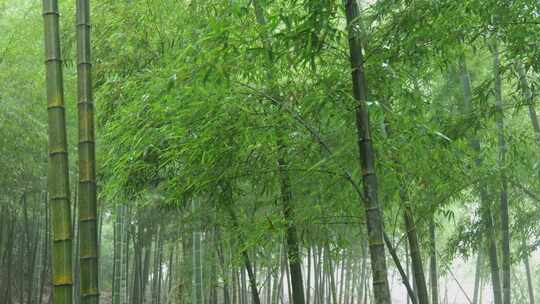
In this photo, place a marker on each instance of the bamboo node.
(57, 152)
(53, 13)
(62, 280)
(85, 142)
(65, 237)
(56, 106)
(89, 257)
(53, 59)
(87, 219)
(87, 181)
(86, 102)
(88, 293)
(57, 198)
(84, 63)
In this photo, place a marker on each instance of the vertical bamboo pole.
(58, 178)
(89, 268)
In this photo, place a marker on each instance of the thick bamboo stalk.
(374, 220)
(89, 288)
(58, 176)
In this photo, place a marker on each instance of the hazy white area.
(464, 271)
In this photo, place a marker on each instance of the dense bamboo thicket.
(269, 152)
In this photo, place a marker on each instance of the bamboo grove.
(269, 152)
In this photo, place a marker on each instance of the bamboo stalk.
(89, 285)
(381, 290)
(58, 178)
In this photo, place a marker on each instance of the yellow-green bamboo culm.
(87, 161)
(58, 176)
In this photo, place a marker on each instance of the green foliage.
(188, 106)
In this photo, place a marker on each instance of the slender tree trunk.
(58, 176)
(350, 279)
(245, 298)
(160, 268)
(316, 274)
(408, 268)
(221, 257)
(484, 198)
(38, 272)
(76, 263)
(146, 266)
(268, 287)
(330, 273)
(404, 277)
(30, 248)
(214, 268)
(234, 287)
(290, 296)
(477, 277)
(171, 268)
(363, 271)
(46, 249)
(381, 288)
(156, 266)
(138, 273)
(117, 265)
(245, 257)
(433, 276)
(416, 257)
(275, 286)
(283, 270)
(293, 250)
(530, 287)
(197, 266)
(342, 277)
(506, 263)
(308, 279)
(124, 259)
(9, 262)
(320, 275)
